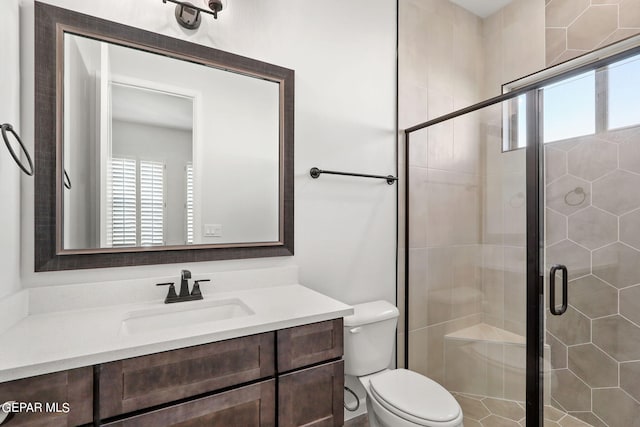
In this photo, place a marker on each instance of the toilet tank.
(369, 337)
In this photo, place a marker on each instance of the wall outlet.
(213, 230)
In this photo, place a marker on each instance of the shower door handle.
(552, 289)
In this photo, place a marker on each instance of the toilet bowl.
(395, 397)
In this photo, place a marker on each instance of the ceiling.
(482, 8)
(155, 108)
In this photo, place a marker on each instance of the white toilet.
(398, 397)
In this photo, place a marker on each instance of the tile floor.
(483, 411)
(480, 411)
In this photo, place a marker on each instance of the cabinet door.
(309, 344)
(312, 397)
(142, 382)
(248, 406)
(74, 387)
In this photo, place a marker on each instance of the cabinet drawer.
(312, 397)
(252, 405)
(142, 382)
(74, 387)
(309, 344)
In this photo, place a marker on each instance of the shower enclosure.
(522, 243)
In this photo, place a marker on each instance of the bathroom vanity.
(279, 365)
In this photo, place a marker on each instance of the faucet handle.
(196, 287)
(172, 290)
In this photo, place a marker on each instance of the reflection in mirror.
(166, 152)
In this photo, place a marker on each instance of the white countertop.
(47, 342)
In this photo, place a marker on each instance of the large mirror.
(163, 151)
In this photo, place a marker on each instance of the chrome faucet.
(195, 294)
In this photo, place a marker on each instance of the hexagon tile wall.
(595, 345)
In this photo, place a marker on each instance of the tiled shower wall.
(595, 345)
(575, 27)
(440, 71)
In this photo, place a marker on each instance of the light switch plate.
(213, 230)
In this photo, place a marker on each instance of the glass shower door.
(466, 291)
(591, 134)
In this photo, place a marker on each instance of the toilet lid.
(415, 397)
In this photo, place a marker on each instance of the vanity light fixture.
(189, 15)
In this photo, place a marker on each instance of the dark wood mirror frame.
(51, 24)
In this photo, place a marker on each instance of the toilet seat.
(415, 398)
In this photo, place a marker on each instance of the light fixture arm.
(183, 4)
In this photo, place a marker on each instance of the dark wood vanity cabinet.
(290, 377)
(252, 405)
(52, 391)
(312, 396)
(146, 381)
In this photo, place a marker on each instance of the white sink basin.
(183, 315)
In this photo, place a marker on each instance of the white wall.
(80, 220)
(344, 57)
(9, 172)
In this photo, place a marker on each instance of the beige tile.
(630, 303)
(630, 378)
(630, 229)
(418, 289)
(616, 408)
(412, 106)
(439, 285)
(576, 258)
(570, 421)
(496, 421)
(629, 14)
(593, 297)
(567, 55)
(558, 352)
(589, 418)
(552, 414)
(466, 366)
(556, 42)
(453, 208)
(504, 408)
(593, 228)
(418, 351)
(493, 283)
(569, 391)
(515, 372)
(618, 337)
(418, 221)
(495, 370)
(571, 328)
(618, 35)
(472, 409)
(592, 158)
(615, 192)
(555, 163)
(557, 190)
(592, 27)
(630, 155)
(593, 366)
(471, 423)
(561, 13)
(617, 264)
(555, 227)
(466, 144)
(435, 352)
